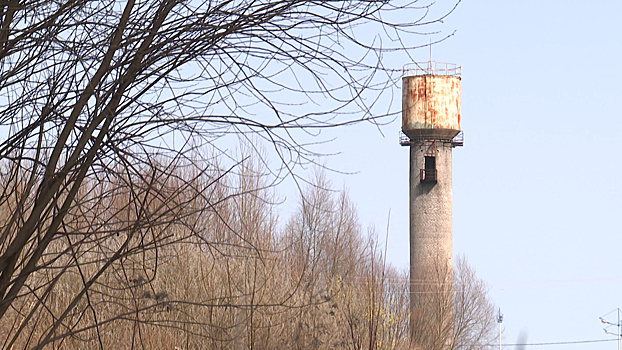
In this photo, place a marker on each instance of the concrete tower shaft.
(431, 122)
(430, 205)
(431, 296)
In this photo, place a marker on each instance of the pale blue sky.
(537, 185)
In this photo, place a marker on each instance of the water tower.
(431, 128)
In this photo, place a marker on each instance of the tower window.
(428, 173)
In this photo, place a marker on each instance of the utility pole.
(618, 324)
(499, 320)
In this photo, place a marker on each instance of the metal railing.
(428, 175)
(431, 68)
(404, 139)
(458, 140)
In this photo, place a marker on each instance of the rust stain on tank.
(431, 106)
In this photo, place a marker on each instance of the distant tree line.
(216, 270)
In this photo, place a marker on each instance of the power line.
(563, 342)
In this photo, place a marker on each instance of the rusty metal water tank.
(431, 100)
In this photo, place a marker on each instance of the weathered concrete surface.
(431, 246)
(430, 206)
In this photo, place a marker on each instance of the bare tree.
(474, 312)
(453, 315)
(351, 299)
(432, 317)
(112, 114)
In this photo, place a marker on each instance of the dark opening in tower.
(428, 173)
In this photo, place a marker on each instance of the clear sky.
(537, 184)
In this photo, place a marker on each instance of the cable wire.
(562, 342)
